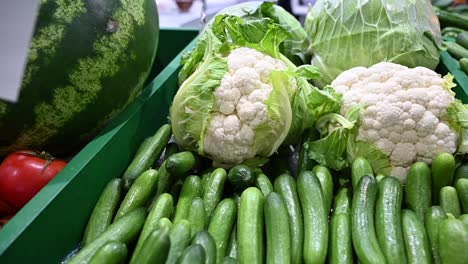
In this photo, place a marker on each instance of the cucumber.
(453, 241)
(171, 148)
(263, 183)
(449, 201)
(363, 230)
(388, 220)
(454, 30)
(278, 236)
(232, 245)
(124, 230)
(461, 172)
(113, 252)
(221, 225)
(162, 208)
(147, 155)
(241, 177)
(213, 191)
(103, 211)
(462, 39)
(326, 181)
(462, 190)
(194, 254)
(360, 168)
(304, 162)
(456, 50)
(432, 220)
(139, 193)
(206, 175)
(464, 65)
(315, 218)
(165, 178)
(176, 189)
(415, 237)
(341, 248)
(196, 215)
(180, 239)
(155, 248)
(181, 164)
(342, 204)
(450, 19)
(204, 239)
(418, 196)
(250, 227)
(190, 189)
(229, 260)
(164, 223)
(285, 185)
(443, 167)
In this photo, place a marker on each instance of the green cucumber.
(147, 155)
(196, 215)
(191, 188)
(388, 219)
(363, 230)
(213, 191)
(342, 203)
(457, 51)
(285, 185)
(164, 223)
(232, 245)
(250, 227)
(463, 64)
(449, 201)
(326, 181)
(165, 178)
(462, 39)
(155, 248)
(418, 196)
(176, 188)
(194, 254)
(315, 218)
(229, 260)
(180, 239)
(124, 230)
(263, 183)
(432, 220)
(278, 235)
(415, 237)
(453, 241)
(360, 168)
(139, 193)
(181, 164)
(451, 19)
(241, 177)
(462, 190)
(208, 243)
(341, 248)
(461, 172)
(221, 225)
(206, 175)
(443, 168)
(113, 252)
(103, 211)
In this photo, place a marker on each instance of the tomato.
(6, 209)
(24, 173)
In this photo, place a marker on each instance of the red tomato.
(6, 209)
(24, 173)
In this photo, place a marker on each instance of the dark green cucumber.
(454, 30)
(113, 252)
(415, 237)
(442, 170)
(360, 168)
(165, 179)
(194, 254)
(363, 230)
(450, 19)
(449, 201)
(232, 245)
(196, 215)
(341, 248)
(461, 172)
(181, 164)
(463, 64)
(263, 183)
(241, 177)
(456, 50)
(190, 189)
(285, 185)
(164, 223)
(143, 145)
(250, 227)
(326, 181)
(139, 193)
(180, 239)
(462, 39)
(208, 243)
(315, 218)
(432, 220)
(342, 203)
(103, 211)
(155, 248)
(221, 225)
(453, 241)
(462, 190)
(213, 190)
(388, 219)
(176, 188)
(124, 230)
(418, 190)
(146, 156)
(278, 235)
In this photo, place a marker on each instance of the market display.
(337, 142)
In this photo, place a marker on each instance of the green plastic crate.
(51, 225)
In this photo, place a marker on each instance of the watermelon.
(87, 60)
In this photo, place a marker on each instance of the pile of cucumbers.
(172, 206)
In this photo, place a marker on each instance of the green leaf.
(457, 114)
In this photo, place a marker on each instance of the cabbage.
(349, 33)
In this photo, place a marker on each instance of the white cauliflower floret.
(404, 114)
(239, 105)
